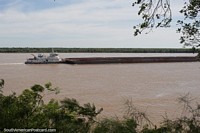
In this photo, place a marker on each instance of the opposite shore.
(99, 50)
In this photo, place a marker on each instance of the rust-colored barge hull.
(108, 60)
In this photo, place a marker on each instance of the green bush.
(28, 110)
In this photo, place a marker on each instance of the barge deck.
(109, 60)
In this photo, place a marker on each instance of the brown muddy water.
(152, 87)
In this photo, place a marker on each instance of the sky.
(79, 24)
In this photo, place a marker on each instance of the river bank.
(99, 50)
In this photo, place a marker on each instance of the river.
(152, 87)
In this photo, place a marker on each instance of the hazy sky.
(78, 23)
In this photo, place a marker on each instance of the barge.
(108, 60)
(53, 58)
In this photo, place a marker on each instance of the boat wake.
(5, 64)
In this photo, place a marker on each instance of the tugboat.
(53, 58)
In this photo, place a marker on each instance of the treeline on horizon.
(99, 50)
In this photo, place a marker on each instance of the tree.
(158, 14)
(28, 110)
(1, 84)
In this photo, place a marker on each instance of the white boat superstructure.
(42, 59)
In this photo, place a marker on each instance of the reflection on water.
(153, 87)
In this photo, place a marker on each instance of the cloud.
(86, 23)
(90, 15)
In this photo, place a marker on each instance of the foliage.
(187, 123)
(158, 14)
(28, 110)
(132, 122)
(116, 126)
(153, 14)
(1, 84)
(137, 122)
(190, 26)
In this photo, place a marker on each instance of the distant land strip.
(99, 50)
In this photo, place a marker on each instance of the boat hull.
(60, 62)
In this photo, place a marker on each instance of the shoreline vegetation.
(100, 50)
(29, 111)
